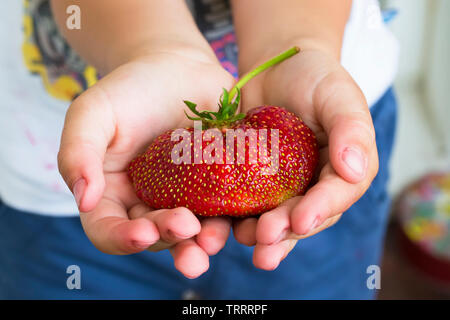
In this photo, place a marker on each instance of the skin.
(313, 85)
(147, 75)
(154, 57)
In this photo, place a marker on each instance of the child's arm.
(152, 57)
(114, 32)
(314, 85)
(262, 25)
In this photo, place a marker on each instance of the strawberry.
(233, 184)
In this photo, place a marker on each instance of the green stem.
(248, 76)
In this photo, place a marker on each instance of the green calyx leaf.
(227, 106)
(222, 118)
(193, 107)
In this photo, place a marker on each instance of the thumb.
(343, 112)
(88, 129)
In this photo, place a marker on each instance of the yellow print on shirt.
(64, 74)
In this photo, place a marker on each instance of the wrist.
(184, 48)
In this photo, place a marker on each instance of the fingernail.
(78, 190)
(355, 160)
(280, 237)
(140, 244)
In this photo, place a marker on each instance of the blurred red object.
(423, 215)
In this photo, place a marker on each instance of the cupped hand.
(316, 87)
(113, 121)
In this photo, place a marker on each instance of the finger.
(108, 225)
(214, 234)
(325, 225)
(110, 230)
(342, 111)
(277, 221)
(140, 210)
(244, 231)
(191, 260)
(83, 145)
(174, 225)
(329, 197)
(268, 257)
(274, 226)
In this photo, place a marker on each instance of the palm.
(127, 109)
(292, 85)
(147, 99)
(149, 103)
(314, 86)
(300, 75)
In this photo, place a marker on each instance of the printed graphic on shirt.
(64, 74)
(213, 17)
(226, 51)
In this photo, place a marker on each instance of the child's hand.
(314, 86)
(110, 124)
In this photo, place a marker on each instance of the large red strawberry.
(239, 185)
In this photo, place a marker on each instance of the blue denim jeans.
(36, 250)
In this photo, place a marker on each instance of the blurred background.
(416, 262)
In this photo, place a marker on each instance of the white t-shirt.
(36, 87)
